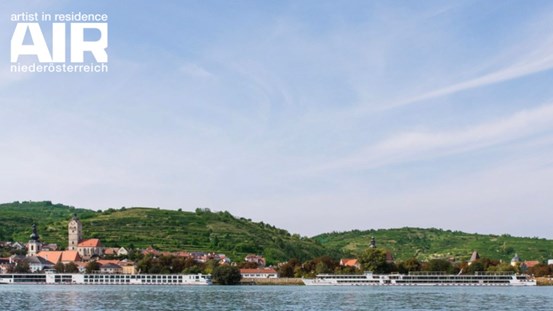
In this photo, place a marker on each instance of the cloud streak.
(412, 146)
(539, 60)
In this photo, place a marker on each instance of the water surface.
(120, 297)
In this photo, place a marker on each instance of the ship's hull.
(105, 279)
(370, 279)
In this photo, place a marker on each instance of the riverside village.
(93, 262)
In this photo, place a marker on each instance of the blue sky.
(313, 116)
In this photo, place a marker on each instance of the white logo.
(51, 55)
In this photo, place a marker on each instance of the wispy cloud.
(417, 145)
(195, 70)
(540, 59)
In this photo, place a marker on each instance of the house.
(102, 262)
(199, 256)
(81, 265)
(14, 259)
(531, 263)
(223, 259)
(122, 252)
(5, 268)
(259, 260)
(89, 248)
(5, 265)
(37, 263)
(50, 247)
(550, 262)
(260, 273)
(515, 261)
(64, 257)
(111, 268)
(182, 254)
(150, 251)
(111, 251)
(349, 262)
(127, 267)
(18, 246)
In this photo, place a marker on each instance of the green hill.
(165, 230)
(204, 230)
(424, 244)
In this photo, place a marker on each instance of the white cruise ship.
(105, 279)
(423, 279)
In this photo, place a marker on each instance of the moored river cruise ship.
(105, 279)
(423, 279)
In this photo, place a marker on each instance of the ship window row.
(451, 281)
(29, 278)
(468, 277)
(358, 281)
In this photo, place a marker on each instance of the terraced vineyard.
(204, 230)
(424, 244)
(166, 230)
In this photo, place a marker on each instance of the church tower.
(74, 233)
(373, 242)
(34, 246)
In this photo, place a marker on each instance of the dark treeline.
(376, 261)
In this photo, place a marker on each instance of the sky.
(313, 116)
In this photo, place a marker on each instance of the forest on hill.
(221, 232)
(166, 230)
(425, 244)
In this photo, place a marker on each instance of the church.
(77, 248)
(86, 248)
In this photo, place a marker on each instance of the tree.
(92, 266)
(177, 264)
(286, 270)
(226, 275)
(374, 260)
(22, 267)
(144, 264)
(439, 265)
(210, 266)
(59, 267)
(476, 266)
(502, 267)
(540, 270)
(248, 265)
(71, 268)
(411, 264)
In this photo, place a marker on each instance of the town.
(90, 256)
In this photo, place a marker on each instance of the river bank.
(544, 281)
(279, 281)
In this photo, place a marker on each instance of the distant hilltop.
(204, 230)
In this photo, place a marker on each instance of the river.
(137, 298)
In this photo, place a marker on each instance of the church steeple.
(373, 242)
(34, 236)
(74, 233)
(34, 246)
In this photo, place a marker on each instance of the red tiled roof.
(107, 261)
(181, 254)
(150, 250)
(90, 243)
(348, 262)
(531, 263)
(251, 271)
(57, 256)
(111, 250)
